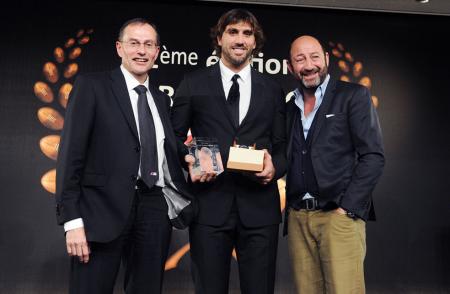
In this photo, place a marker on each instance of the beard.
(308, 84)
(236, 60)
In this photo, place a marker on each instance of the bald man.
(335, 158)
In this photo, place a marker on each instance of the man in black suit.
(118, 171)
(231, 101)
(336, 157)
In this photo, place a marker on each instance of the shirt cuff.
(73, 224)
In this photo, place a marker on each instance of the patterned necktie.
(233, 100)
(147, 134)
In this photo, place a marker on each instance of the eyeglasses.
(149, 46)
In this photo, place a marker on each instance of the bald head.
(305, 42)
(308, 61)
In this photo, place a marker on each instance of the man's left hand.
(266, 175)
(340, 210)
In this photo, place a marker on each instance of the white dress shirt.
(131, 83)
(245, 86)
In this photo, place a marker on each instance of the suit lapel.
(216, 87)
(255, 97)
(324, 107)
(159, 102)
(291, 115)
(158, 98)
(123, 98)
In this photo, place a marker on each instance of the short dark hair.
(232, 17)
(138, 20)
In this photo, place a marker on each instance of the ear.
(290, 68)
(219, 40)
(156, 54)
(327, 59)
(119, 48)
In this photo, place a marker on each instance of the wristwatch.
(351, 215)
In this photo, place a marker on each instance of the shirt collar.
(320, 92)
(131, 81)
(227, 73)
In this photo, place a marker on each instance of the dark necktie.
(147, 134)
(233, 100)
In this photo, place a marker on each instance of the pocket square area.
(329, 115)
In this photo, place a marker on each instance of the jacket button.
(304, 152)
(133, 177)
(138, 149)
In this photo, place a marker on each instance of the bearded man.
(230, 101)
(335, 158)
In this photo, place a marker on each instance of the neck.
(309, 100)
(141, 78)
(308, 92)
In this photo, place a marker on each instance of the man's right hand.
(205, 177)
(77, 245)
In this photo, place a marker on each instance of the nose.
(308, 64)
(240, 39)
(141, 49)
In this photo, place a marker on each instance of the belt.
(310, 204)
(142, 187)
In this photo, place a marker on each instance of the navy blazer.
(99, 155)
(346, 149)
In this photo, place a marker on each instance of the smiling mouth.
(239, 49)
(309, 74)
(140, 60)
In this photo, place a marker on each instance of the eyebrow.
(236, 29)
(146, 41)
(310, 53)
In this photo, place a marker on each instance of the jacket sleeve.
(181, 117)
(72, 150)
(279, 134)
(367, 140)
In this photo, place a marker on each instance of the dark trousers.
(211, 249)
(142, 247)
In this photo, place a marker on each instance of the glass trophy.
(207, 155)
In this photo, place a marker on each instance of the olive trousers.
(327, 251)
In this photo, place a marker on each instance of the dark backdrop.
(403, 55)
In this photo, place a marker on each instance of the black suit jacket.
(200, 105)
(346, 149)
(99, 155)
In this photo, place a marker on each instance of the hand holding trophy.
(256, 164)
(204, 160)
